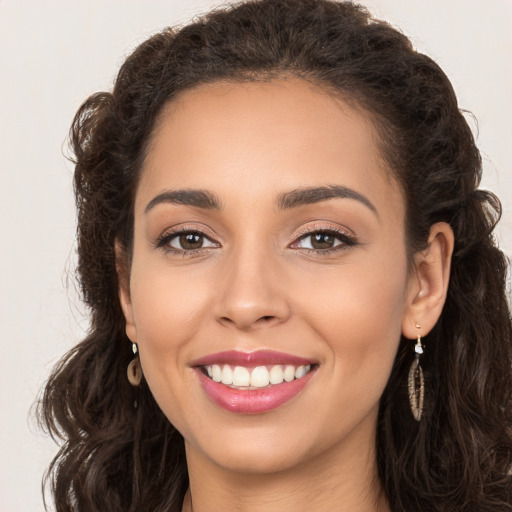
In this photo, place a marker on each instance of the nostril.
(266, 320)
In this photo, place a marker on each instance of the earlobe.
(123, 278)
(429, 282)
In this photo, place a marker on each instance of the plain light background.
(53, 54)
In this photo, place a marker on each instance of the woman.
(297, 302)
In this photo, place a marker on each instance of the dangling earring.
(134, 370)
(416, 381)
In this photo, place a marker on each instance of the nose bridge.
(250, 291)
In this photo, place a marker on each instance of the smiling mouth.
(253, 382)
(247, 378)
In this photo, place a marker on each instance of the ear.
(428, 284)
(123, 278)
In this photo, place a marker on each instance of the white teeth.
(241, 376)
(289, 373)
(216, 373)
(260, 377)
(300, 372)
(276, 375)
(227, 375)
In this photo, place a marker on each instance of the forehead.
(257, 138)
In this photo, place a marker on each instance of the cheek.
(168, 311)
(364, 295)
(166, 303)
(358, 314)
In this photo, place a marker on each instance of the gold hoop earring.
(134, 370)
(416, 381)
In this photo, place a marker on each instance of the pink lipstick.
(253, 382)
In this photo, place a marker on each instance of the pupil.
(322, 241)
(191, 241)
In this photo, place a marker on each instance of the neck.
(344, 478)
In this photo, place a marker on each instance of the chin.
(269, 446)
(258, 458)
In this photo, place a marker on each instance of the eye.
(190, 241)
(319, 240)
(185, 241)
(324, 241)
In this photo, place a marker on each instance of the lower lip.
(252, 401)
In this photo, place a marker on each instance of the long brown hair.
(117, 457)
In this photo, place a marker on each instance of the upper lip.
(254, 358)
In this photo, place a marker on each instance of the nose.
(251, 294)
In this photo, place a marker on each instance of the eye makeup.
(332, 239)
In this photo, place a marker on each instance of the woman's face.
(268, 235)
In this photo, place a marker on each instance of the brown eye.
(189, 241)
(322, 241)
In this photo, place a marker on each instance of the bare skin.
(257, 278)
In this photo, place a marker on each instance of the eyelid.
(313, 228)
(325, 227)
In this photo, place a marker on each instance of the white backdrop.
(55, 53)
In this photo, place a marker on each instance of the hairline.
(355, 101)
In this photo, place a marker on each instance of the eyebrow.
(298, 197)
(311, 195)
(191, 197)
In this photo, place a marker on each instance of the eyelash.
(347, 241)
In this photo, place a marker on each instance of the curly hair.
(458, 458)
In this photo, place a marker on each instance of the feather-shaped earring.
(416, 381)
